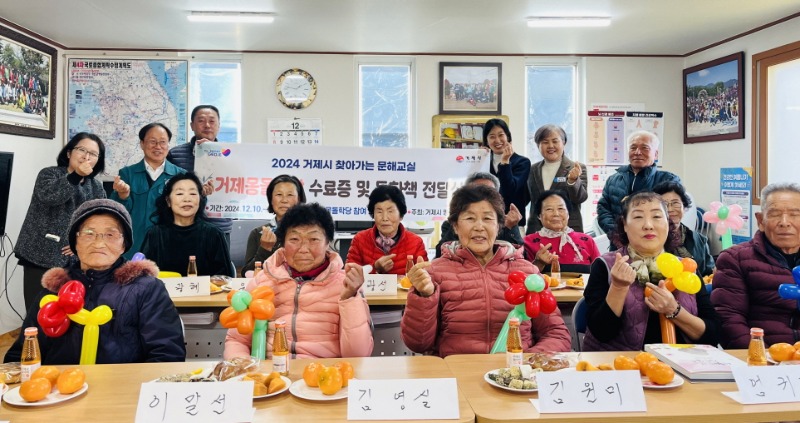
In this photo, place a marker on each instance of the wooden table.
(568, 295)
(220, 300)
(692, 402)
(114, 392)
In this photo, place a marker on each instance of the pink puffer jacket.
(467, 309)
(318, 323)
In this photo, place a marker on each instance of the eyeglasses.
(88, 235)
(161, 144)
(86, 152)
(674, 205)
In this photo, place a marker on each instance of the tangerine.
(50, 373)
(625, 363)
(660, 373)
(781, 351)
(70, 381)
(276, 385)
(347, 371)
(585, 366)
(405, 282)
(797, 345)
(35, 389)
(643, 359)
(311, 374)
(330, 380)
(796, 355)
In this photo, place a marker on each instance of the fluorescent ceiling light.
(568, 21)
(238, 17)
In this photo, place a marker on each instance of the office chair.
(579, 323)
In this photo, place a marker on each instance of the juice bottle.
(280, 349)
(31, 356)
(513, 344)
(257, 269)
(756, 353)
(192, 269)
(555, 269)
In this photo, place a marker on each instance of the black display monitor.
(6, 165)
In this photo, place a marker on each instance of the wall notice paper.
(766, 384)
(339, 178)
(735, 187)
(377, 285)
(402, 399)
(294, 131)
(605, 138)
(590, 392)
(178, 402)
(188, 287)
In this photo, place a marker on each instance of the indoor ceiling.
(485, 27)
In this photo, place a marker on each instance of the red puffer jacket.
(467, 309)
(745, 294)
(365, 251)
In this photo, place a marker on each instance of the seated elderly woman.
(325, 313)
(182, 231)
(457, 303)
(556, 239)
(620, 317)
(692, 244)
(145, 325)
(283, 192)
(387, 245)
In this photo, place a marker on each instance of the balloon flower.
(56, 311)
(726, 218)
(530, 295)
(249, 313)
(680, 275)
(791, 291)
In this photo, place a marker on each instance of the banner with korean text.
(339, 178)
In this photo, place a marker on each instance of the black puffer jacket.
(145, 326)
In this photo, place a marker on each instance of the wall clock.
(296, 88)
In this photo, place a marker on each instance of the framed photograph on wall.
(714, 100)
(27, 85)
(470, 88)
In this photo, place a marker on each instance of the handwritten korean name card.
(767, 384)
(402, 399)
(188, 287)
(177, 402)
(376, 285)
(590, 392)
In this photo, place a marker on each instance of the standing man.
(640, 175)
(205, 125)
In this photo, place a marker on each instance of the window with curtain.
(384, 104)
(219, 84)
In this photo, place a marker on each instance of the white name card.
(178, 402)
(188, 287)
(590, 392)
(376, 285)
(239, 283)
(767, 384)
(402, 399)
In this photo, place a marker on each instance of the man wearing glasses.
(640, 175)
(138, 186)
(205, 124)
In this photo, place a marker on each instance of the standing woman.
(510, 168)
(557, 172)
(138, 186)
(58, 191)
(283, 193)
(182, 230)
(387, 245)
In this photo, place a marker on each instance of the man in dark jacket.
(748, 275)
(205, 125)
(640, 175)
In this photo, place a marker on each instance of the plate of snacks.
(266, 385)
(549, 362)
(48, 386)
(222, 371)
(324, 383)
(515, 379)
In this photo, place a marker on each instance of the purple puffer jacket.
(745, 295)
(467, 310)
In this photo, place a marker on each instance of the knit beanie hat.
(101, 206)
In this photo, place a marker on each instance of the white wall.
(30, 156)
(702, 162)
